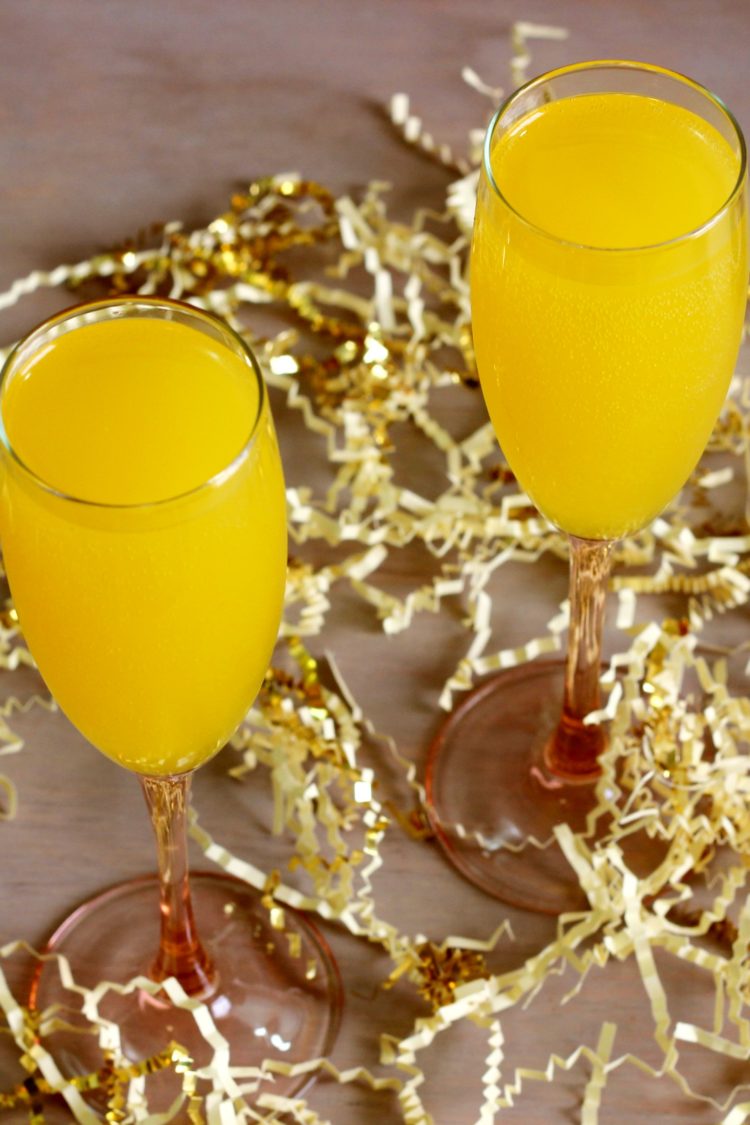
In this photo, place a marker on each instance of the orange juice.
(605, 340)
(151, 600)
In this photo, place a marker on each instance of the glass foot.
(278, 993)
(490, 796)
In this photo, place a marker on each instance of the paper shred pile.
(382, 331)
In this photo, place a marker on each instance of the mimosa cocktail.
(608, 285)
(120, 595)
(604, 374)
(142, 513)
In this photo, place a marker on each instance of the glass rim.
(616, 64)
(186, 310)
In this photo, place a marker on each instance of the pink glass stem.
(181, 954)
(573, 750)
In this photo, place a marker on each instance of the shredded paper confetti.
(372, 329)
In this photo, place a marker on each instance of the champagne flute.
(143, 527)
(608, 288)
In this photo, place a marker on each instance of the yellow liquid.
(604, 366)
(153, 626)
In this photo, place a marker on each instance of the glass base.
(278, 994)
(490, 795)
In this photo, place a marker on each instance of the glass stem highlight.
(573, 751)
(181, 954)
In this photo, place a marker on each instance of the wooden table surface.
(116, 115)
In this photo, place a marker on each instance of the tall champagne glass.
(608, 286)
(142, 514)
